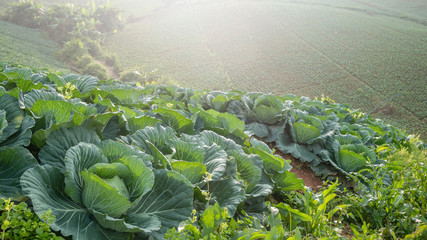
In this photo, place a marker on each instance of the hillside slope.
(354, 52)
(28, 47)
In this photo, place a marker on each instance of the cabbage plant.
(15, 132)
(257, 107)
(15, 124)
(103, 190)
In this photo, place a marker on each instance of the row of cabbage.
(110, 158)
(331, 138)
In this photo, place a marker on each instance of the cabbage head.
(103, 190)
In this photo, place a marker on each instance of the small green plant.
(216, 224)
(19, 222)
(67, 90)
(207, 177)
(317, 213)
(364, 233)
(419, 233)
(72, 50)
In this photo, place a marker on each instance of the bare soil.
(386, 110)
(303, 171)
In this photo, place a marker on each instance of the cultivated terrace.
(107, 159)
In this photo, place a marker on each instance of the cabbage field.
(266, 127)
(370, 55)
(114, 160)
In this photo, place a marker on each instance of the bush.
(25, 13)
(83, 61)
(72, 51)
(59, 23)
(94, 48)
(114, 63)
(132, 76)
(96, 69)
(19, 222)
(109, 19)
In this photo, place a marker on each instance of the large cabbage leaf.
(170, 200)
(33, 96)
(247, 168)
(187, 151)
(136, 123)
(228, 193)
(127, 97)
(15, 124)
(3, 121)
(56, 112)
(230, 123)
(257, 129)
(287, 181)
(116, 150)
(105, 197)
(157, 135)
(77, 159)
(58, 143)
(215, 161)
(176, 120)
(14, 161)
(286, 145)
(209, 138)
(277, 170)
(272, 163)
(224, 124)
(193, 171)
(305, 132)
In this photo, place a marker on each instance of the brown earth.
(303, 171)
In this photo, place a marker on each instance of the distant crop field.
(370, 56)
(28, 47)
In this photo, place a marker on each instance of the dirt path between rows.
(303, 171)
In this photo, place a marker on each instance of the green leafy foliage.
(14, 161)
(314, 214)
(215, 223)
(16, 124)
(396, 209)
(19, 222)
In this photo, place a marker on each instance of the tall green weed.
(396, 209)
